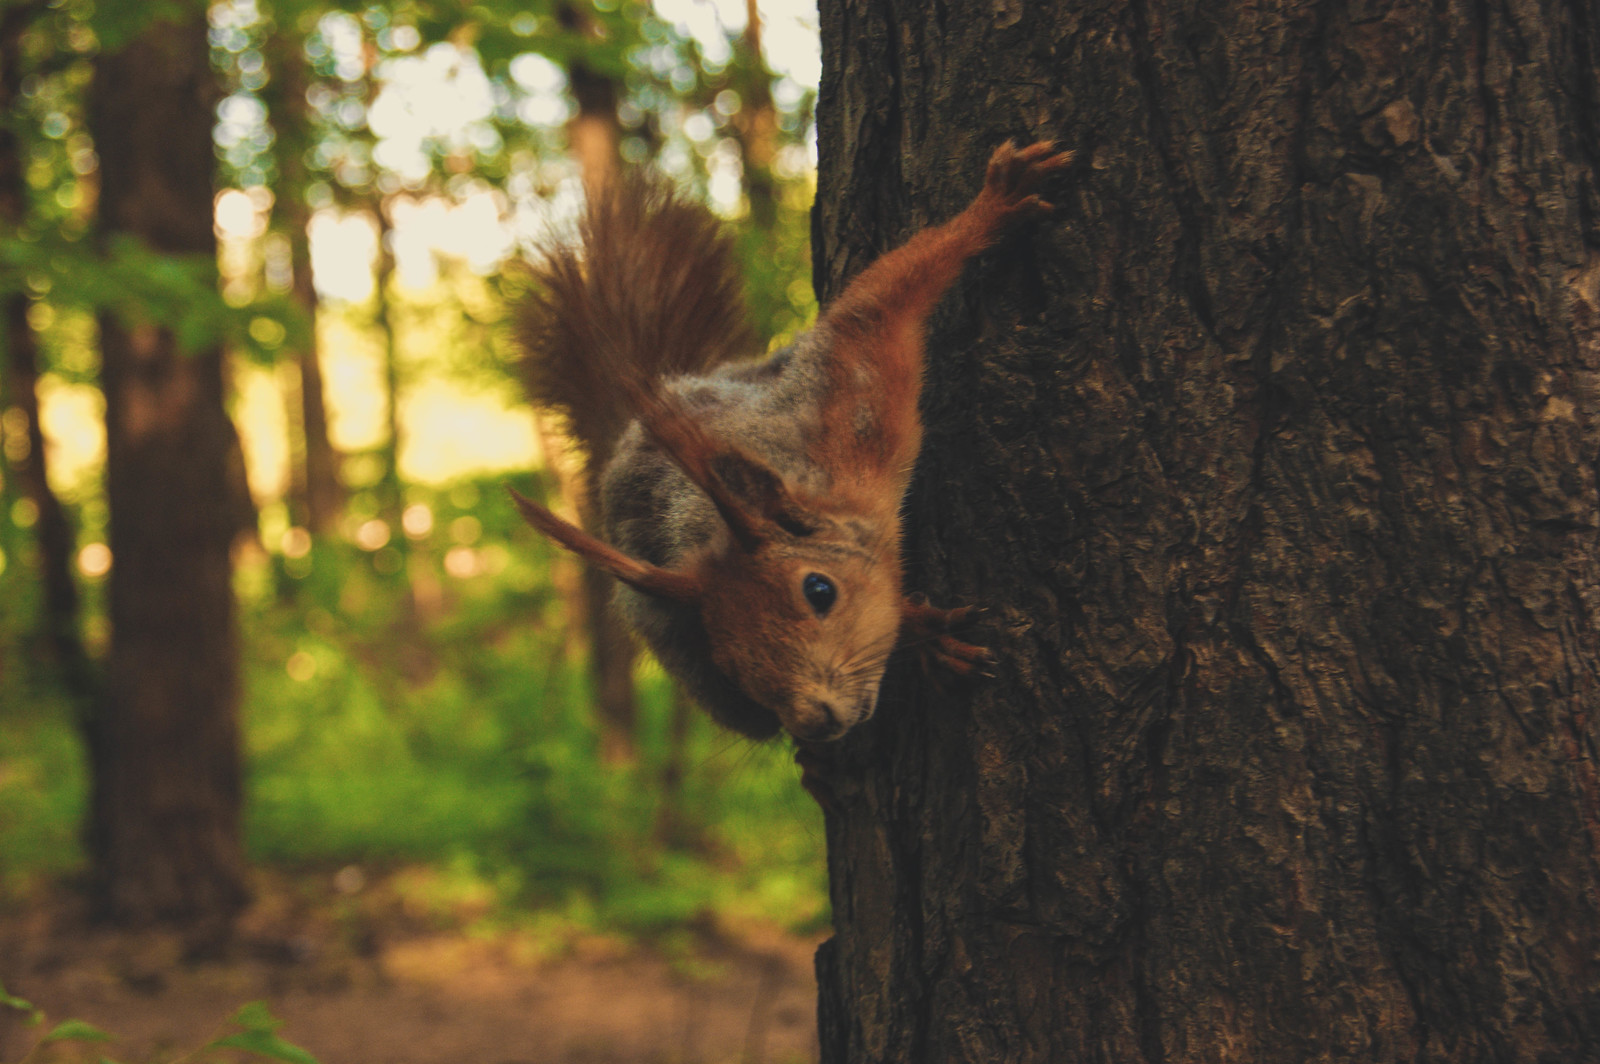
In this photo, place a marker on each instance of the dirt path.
(367, 976)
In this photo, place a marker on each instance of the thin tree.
(1270, 455)
(316, 493)
(19, 376)
(164, 836)
(594, 137)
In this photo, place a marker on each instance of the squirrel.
(753, 508)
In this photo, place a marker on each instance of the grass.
(445, 721)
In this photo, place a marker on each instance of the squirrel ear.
(650, 579)
(749, 494)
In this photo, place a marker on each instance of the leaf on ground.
(255, 1016)
(12, 1002)
(265, 1044)
(77, 1031)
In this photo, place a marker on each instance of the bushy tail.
(650, 289)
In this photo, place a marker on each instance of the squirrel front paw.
(1015, 172)
(925, 629)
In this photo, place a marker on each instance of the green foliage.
(42, 781)
(257, 1035)
(383, 725)
(777, 267)
(117, 22)
(11, 1001)
(142, 286)
(474, 725)
(76, 1031)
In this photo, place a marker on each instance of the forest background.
(417, 706)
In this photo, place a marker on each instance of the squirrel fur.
(751, 510)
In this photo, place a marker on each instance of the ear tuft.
(750, 496)
(641, 576)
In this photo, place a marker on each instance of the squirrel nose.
(819, 723)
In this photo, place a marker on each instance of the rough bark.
(1272, 456)
(164, 837)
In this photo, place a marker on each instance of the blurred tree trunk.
(612, 655)
(315, 491)
(1272, 456)
(19, 376)
(674, 827)
(594, 136)
(391, 489)
(755, 124)
(164, 835)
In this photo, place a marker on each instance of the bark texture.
(1272, 455)
(165, 748)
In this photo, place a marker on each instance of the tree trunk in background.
(755, 124)
(318, 489)
(316, 493)
(391, 488)
(594, 136)
(164, 838)
(611, 656)
(53, 531)
(1272, 457)
(20, 376)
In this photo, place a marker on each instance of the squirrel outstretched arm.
(753, 510)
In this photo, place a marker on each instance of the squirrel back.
(753, 510)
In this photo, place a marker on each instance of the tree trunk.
(316, 493)
(53, 531)
(594, 135)
(1271, 454)
(391, 488)
(755, 124)
(165, 747)
(19, 375)
(611, 657)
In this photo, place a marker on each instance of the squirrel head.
(800, 600)
(804, 623)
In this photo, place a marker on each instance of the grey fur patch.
(656, 514)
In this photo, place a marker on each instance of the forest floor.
(379, 970)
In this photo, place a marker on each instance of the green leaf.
(18, 1004)
(77, 1031)
(255, 1016)
(264, 1044)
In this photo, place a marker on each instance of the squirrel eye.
(820, 592)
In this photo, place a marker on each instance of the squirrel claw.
(1015, 172)
(926, 629)
(960, 658)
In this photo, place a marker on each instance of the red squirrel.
(753, 508)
